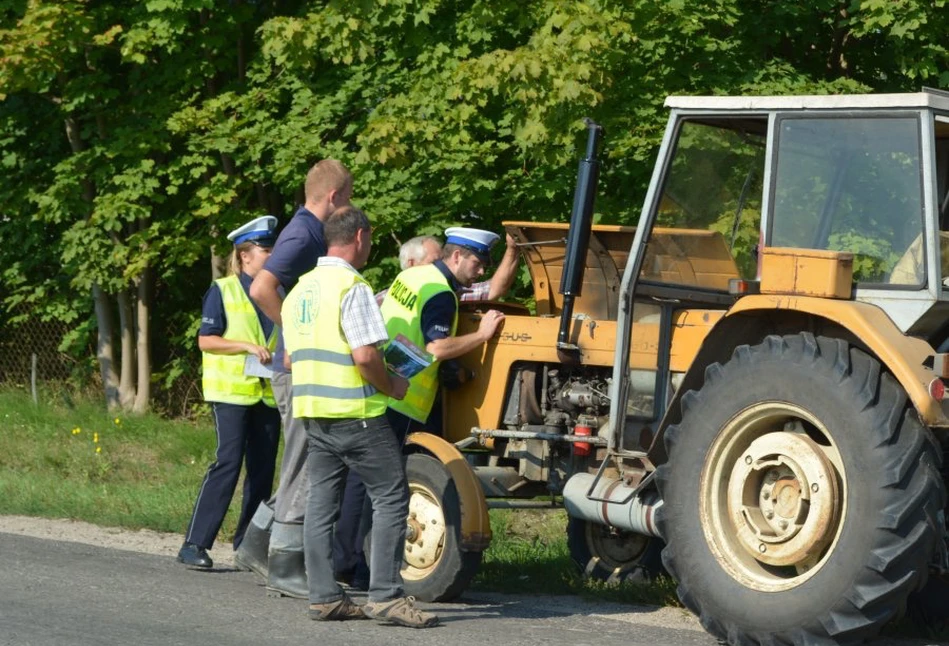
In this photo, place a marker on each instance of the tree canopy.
(134, 134)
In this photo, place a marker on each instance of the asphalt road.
(68, 593)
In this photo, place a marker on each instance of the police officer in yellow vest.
(333, 331)
(236, 342)
(422, 304)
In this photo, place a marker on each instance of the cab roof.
(927, 98)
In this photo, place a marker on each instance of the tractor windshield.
(853, 184)
(708, 221)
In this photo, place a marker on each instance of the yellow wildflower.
(117, 421)
(95, 438)
(76, 431)
(98, 449)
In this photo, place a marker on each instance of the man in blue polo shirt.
(279, 556)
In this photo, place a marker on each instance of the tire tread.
(911, 483)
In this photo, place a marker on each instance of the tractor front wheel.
(434, 568)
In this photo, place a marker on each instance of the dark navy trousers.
(245, 434)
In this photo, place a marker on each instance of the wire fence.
(31, 357)
(29, 353)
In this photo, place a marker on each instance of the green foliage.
(873, 257)
(132, 134)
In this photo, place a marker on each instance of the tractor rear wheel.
(800, 471)
(613, 555)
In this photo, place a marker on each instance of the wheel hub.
(616, 549)
(782, 499)
(424, 532)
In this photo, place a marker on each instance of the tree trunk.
(218, 265)
(144, 354)
(105, 351)
(77, 145)
(127, 334)
(837, 64)
(105, 321)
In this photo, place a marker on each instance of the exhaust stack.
(578, 239)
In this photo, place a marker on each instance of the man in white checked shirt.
(351, 527)
(334, 332)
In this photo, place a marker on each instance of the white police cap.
(477, 240)
(260, 231)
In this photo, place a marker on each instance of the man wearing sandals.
(334, 332)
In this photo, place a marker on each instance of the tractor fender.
(752, 318)
(903, 356)
(475, 524)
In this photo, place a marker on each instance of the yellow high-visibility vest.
(223, 378)
(326, 381)
(402, 311)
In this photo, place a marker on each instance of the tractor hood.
(692, 257)
(543, 245)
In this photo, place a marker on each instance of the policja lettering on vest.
(406, 297)
(420, 290)
(402, 309)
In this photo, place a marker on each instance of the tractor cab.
(839, 197)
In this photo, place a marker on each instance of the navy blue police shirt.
(298, 247)
(439, 311)
(214, 318)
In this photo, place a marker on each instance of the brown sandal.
(339, 610)
(401, 611)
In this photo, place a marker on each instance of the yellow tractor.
(747, 388)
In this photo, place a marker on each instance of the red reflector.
(937, 389)
(582, 448)
(737, 287)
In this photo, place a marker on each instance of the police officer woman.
(236, 342)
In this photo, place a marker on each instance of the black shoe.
(195, 556)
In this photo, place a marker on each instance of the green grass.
(147, 471)
(529, 553)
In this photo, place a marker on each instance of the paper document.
(254, 368)
(406, 359)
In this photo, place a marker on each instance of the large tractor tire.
(434, 568)
(606, 554)
(801, 495)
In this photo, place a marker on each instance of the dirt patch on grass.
(544, 524)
